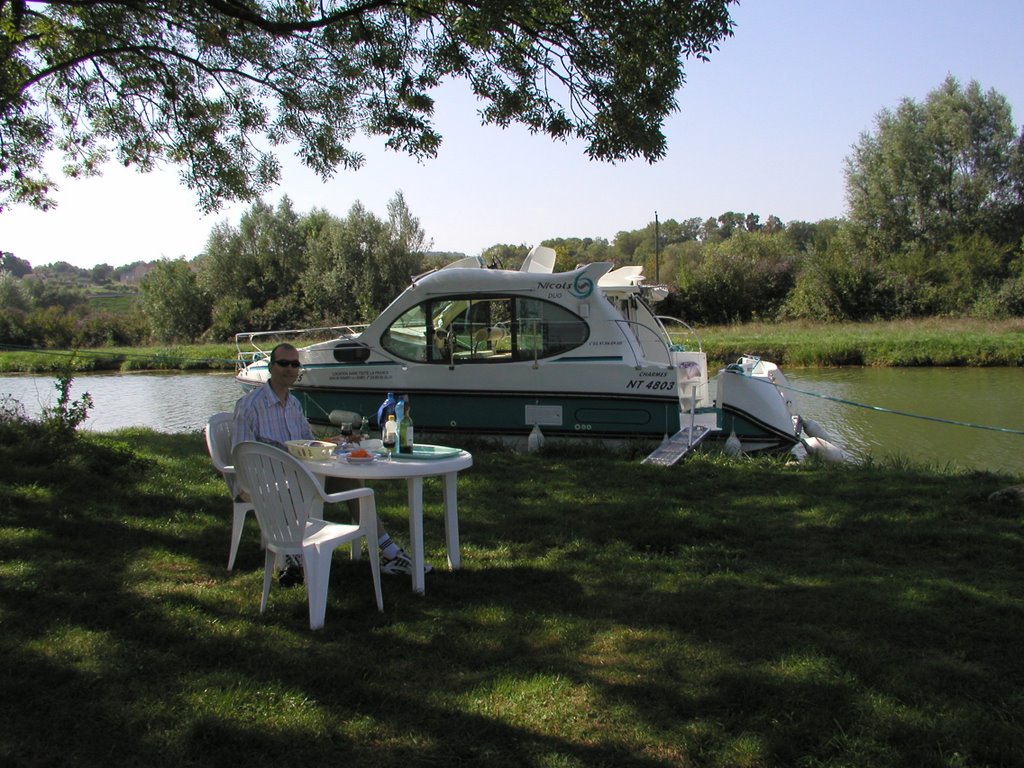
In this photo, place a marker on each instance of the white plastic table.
(412, 471)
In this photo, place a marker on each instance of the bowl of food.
(360, 456)
(311, 450)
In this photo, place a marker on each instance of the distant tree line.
(935, 227)
(52, 306)
(278, 269)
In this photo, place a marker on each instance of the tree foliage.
(838, 280)
(11, 264)
(215, 85)
(355, 266)
(174, 303)
(951, 167)
(257, 262)
(278, 269)
(746, 276)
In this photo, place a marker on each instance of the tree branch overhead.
(198, 82)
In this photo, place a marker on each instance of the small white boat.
(500, 352)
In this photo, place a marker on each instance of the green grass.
(184, 357)
(113, 302)
(928, 342)
(719, 613)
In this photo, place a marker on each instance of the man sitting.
(272, 414)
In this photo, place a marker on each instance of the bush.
(745, 277)
(107, 329)
(230, 316)
(11, 410)
(62, 419)
(1001, 303)
(50, 327)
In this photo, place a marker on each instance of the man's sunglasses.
(286, 363)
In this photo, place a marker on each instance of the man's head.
(284, 366)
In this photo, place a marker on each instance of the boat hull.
(467, 411)
(566, 414)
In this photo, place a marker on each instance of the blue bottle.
(387, 408)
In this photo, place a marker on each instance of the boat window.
(546, 329)
(492, 330)
(407, 336)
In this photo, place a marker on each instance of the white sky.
(763, 128)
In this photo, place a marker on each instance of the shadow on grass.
(607, 614)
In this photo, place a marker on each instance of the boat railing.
(252, 346)
(660, 336)
(663, 319)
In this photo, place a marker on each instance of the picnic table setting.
(354, 454)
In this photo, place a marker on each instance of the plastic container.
(389, 435)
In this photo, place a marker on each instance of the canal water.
(167, 402)
(928, 415)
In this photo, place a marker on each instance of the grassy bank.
(932, 342)
(188, 357)
(719, 613)
(937, 342)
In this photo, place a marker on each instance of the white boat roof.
(452, 279)
(539, 261)
(632, 275)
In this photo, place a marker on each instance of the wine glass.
(389, 443)
(346, 433)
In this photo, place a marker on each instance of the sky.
(763, 127)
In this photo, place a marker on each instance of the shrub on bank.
(53, 328)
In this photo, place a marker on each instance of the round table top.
(383, 468)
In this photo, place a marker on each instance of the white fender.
(823, 449)
(733, 446)
(536, 440)
(814, 429)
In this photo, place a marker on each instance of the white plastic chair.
(289, 504)
(218, 443)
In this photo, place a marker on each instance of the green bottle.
(405, 435)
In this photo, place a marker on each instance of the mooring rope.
(880, 409)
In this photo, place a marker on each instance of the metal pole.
(657, 250)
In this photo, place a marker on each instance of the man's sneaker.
(401, 563)
(291, 575)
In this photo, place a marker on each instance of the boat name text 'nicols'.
(581, 287)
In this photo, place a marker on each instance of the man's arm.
(244, 426)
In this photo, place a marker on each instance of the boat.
(507, 352)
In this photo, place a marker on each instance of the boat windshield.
(494, 329)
